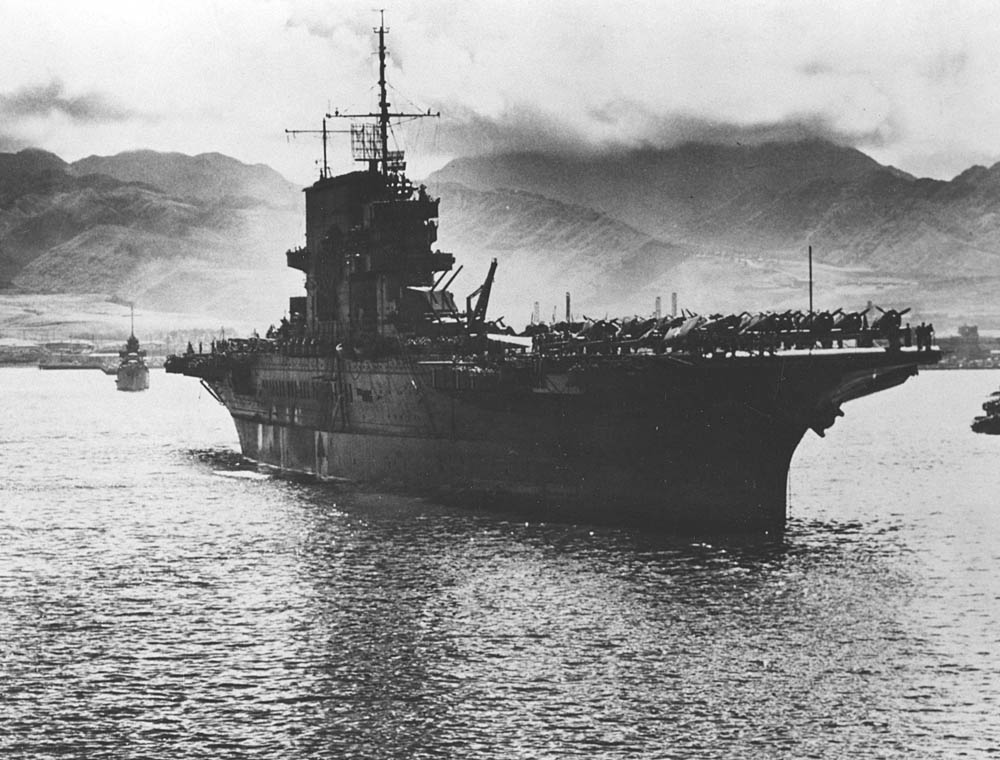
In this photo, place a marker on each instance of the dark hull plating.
(644, 439)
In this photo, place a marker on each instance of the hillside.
(726, 227)
(545, 248)
(209, 177)
(773, 200)
(164, 230)
(746, 216)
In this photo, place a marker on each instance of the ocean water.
(160, 599)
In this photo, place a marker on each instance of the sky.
(914, 84)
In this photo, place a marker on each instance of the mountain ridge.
(771, 199)
(726, 226)
(93, 225)
(206, 176)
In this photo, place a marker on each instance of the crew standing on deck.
(925, 336)
(892, 333)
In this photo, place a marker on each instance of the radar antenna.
(371, 142)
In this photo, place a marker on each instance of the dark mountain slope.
(63, 231)
(545, 248)
(209, 177)
(726, 226)
(773, 199)
(675, 190)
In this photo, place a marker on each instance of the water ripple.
(162, 597)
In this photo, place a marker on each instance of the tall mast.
(383, 118)
(325, 133)
(369, 142)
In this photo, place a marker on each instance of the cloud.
(50, 99)
(629, 125)
(816, 68)
(908, 79)
(795, 127)
(12, 144)
(946, 67)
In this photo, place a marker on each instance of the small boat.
(989, 423)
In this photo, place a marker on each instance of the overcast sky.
(914, 83)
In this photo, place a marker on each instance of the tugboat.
(377, 377)
(132, 373)
(989, 423)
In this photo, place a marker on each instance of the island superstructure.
(378, 376)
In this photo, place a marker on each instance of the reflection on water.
(160, 599)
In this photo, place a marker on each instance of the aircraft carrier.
(377, 376)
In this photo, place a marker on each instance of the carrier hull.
(647, 440)
(378, 375)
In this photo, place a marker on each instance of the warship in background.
(132, 374)
(377, 376)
